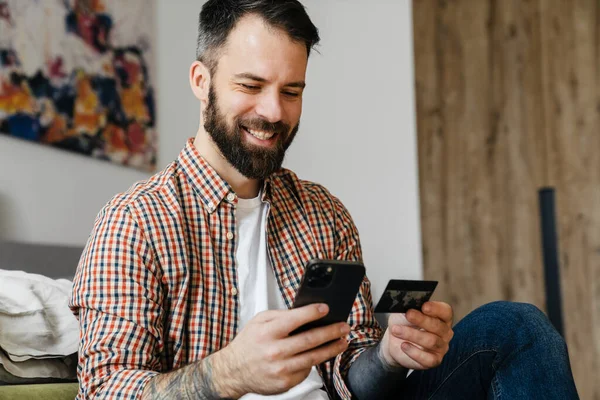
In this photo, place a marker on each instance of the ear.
(200, 81)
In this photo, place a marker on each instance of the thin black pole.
(550, 250)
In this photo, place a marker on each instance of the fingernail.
(426, 309)
(405, 346)
(323, 308)
(397, 330)
(345, 330)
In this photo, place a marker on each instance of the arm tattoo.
(194, 381)
(370, 377)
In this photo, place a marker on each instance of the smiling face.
(254, 102)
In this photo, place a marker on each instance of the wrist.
(226, 380)
(384, 355)
(387, 362)
(370, 376)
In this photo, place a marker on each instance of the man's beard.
(251, 161)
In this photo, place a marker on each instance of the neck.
(244, 187)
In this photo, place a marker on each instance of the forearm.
(199, 380)
(370, 377)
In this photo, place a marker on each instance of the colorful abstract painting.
(78, 74)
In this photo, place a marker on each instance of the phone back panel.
(339, 294)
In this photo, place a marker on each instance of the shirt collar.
(207, 183)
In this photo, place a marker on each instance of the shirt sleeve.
(117, 298)
(365, 330)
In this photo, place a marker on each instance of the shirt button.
(229, 235)
(234, 292)
(231, 197)
(211, 205)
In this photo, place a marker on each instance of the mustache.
(260, 124)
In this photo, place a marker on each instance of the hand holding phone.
(264, 359)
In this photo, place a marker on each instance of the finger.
(318, 356)
(439, 310)
(289, 320)
(427, 341)
(424, 358)
(268, 316)
(398, 319)
(430, 324)
(314, 337)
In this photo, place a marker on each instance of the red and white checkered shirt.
(156, 286)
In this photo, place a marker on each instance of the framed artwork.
(78, 75)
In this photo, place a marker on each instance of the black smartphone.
(333, 282)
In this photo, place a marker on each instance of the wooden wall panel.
(571, 74)
(456, 219)
(508, 102)
(474, 82)
(516, 136)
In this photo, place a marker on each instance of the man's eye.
(291, 94)
(249, 87)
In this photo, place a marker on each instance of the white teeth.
(261, 135)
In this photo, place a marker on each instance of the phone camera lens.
(320, 276)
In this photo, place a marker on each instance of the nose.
(269, 107)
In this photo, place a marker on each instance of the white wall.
(357, 136)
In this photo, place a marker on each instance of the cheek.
(239, 105)
(293, 112)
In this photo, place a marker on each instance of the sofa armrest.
(46, 391)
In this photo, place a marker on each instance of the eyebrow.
(247, 75)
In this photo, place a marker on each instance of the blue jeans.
(501, 350)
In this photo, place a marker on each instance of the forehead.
(260, 49)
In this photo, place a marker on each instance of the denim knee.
(527, 318)
(510, 309)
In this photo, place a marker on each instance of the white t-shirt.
(258, 287)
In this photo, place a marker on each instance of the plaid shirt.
(156, 286)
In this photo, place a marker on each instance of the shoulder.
(310, 194)
(326, 214)
(153, 195)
